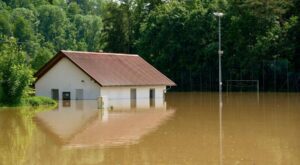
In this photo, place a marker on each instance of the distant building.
(73, 75)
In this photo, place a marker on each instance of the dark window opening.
(152, 97)
(66, 95)
(133, 93)
(152, 93)
(55, 94)
(133, 98)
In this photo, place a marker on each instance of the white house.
(74, 75)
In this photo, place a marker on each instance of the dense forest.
(260, 39)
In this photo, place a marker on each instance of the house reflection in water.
(124, 104)
(81, 124)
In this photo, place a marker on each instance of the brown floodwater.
(188, 128)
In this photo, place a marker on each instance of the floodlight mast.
(220, 52)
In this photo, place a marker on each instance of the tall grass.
(38, 101)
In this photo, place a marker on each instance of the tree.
(5, 24)
(178, 39)
(88, 32)
(115, 29)
(24, 21)
(41, 57)
(15, 73)
(255, 31)
(53, 24)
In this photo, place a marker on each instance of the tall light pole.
(220, 52)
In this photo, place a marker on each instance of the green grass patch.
(32, 101)
(38, 101)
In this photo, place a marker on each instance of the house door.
(152, 97)
(55, 94)
(66, 95)
(133, 94)
(152, 93)
(79, 94)
(133, 98)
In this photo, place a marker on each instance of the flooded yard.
(186, 128)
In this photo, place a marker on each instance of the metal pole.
(220, 95)
(220, 65)
(219, 15)
(220, 91)
(220, 52)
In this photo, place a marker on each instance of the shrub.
(15, 73)
(39, 101)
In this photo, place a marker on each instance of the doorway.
(133, 97)
(79, 94)
(66, 95)
(152, 93)
(152, 97)
(55, 94)
(133, 93)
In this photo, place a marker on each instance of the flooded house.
(75, 75)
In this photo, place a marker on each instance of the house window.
(55, 94)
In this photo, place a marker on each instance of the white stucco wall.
(65, 76)
(124, 92)
(119, 97)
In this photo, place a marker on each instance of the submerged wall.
(124, 92)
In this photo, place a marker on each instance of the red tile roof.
(112, 69)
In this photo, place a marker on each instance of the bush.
(39, 101)
(15, 73)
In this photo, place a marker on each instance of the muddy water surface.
(189, 128)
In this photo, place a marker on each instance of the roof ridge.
(102, 53)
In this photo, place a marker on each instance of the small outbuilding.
(74, 75)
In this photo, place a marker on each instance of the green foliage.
(23, 21)
(15, 74)
(39, 101)
(1, 94)
(5, 25)
(52, 25)
(178, 37)
(88, 31)
(73, 9)
(170, 39)
(42, 56)
(115, 30)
